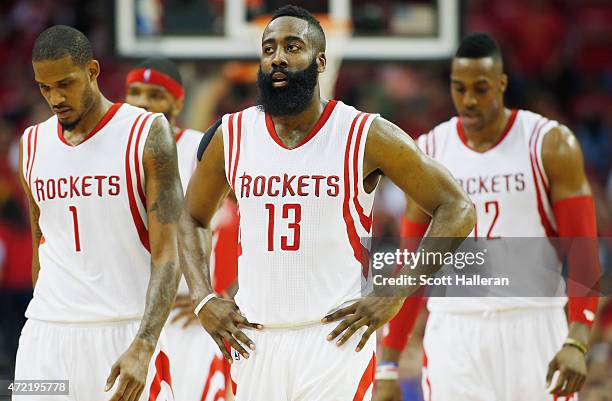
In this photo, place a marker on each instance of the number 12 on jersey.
(291, 216)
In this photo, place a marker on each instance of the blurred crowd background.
(557, 53)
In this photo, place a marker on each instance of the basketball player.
(105, 264)
(304, 170)
(526, 177)
(197, 364)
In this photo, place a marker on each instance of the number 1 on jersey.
(294, 226)
(75, 224)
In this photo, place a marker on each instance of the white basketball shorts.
(198, 367)
(501, 356)
(84, 355)
(301, 365)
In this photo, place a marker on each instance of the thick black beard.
(291, 99)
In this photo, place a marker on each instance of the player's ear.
(321, 62)
(178, 106)
(503, 82)
(93, 70)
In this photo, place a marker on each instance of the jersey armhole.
(208, 136)
(539, 140)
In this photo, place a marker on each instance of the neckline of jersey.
(105, 119)
(509, 126)
(327, 111)
(179, 134)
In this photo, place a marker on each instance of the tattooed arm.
(164, 196)
(34, 216)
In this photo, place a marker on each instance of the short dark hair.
(164, 66)
(60, 41)
(478, 45)
(303, 14)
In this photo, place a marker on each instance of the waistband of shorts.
(500, 313)
(100, 323)
(293, 325)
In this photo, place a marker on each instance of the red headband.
(151, 76)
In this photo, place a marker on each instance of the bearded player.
(198, 368)
(304, 171)
(104, 193)
(525, 175)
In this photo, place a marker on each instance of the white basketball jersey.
(508, 187)
(94, 254)
(187, 142)
(302, 212)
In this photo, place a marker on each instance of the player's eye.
(482, 91)
(459, 89)
(267, 49)
(43, 87)
(293, 48)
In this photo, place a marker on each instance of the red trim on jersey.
(162, 373)
(179, 134)
(231, 148)
(427, 382)
(42, 240)
(366, 221)
(501, 138)
(238, 137)
(105, 119)
(346, 211)
(137, 164)
(215, 366)
(143, 234)
(329, 107)
(548, 228)
(33, 155)
(366, 379)
(26, 170)
(537, 162)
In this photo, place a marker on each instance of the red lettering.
(51, 188)
(259, 185)
(245, 185)
(317, 179)
(302, 185)
(60, 193)
(40, 189)
(100, 179)
(115, 187)
(333, 182)
(520, 182)
(468, 186)
(494, 181)
(270, 180)
(287, 185)
(74, 181)
(507, 177)
(482, 187)
(86, 185)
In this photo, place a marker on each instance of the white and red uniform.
(302, 212)
(94, 255)
(496, 348)
(198, 367)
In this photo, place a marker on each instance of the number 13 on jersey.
(291, 216)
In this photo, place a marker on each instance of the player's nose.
(280, 58)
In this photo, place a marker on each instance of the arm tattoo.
(161, 148)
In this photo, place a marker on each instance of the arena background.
(557, 53)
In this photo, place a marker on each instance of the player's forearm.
(391, 354)
(579, 332)
(165, 276)
(194, 253)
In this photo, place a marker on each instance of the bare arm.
(391, 152)
(207, 188)
(563, 163)
(425, 181)
(34, 213)
(163, 196)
